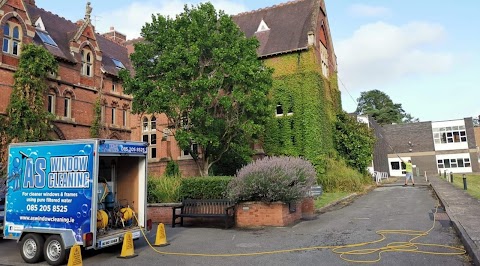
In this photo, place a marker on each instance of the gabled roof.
(289, 24)
(63, 31)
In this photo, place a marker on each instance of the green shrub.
(172, 169)
(271, 179)
(339, 177)
(210, 187)
(163, 189)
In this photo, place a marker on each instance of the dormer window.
(262, 27)
(11, 39)
(87, 63)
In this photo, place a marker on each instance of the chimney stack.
(115, 36)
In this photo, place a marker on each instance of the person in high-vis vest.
(409, 172)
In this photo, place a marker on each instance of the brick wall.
(258, 214)
(161, 212)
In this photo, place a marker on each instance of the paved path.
(391, 207)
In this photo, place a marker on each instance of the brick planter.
(258, 214)
(161, 212)
(308, 208)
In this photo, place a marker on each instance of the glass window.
(153, 138)
(87, 63)
(153, 124)
(124, 118)
(145, 124)
(15, 48)
(46, 38)
(145, 138)
(446, 162)
(279, 109)
(153, 153)
(395, 165)
(67, 107)
(6, 44)
(51, 103)
(6, 29)
(16, 33)
(118, 64)
(460, 162)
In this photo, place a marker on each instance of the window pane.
(66, 107)
(456, 136)
(448, 128)
(6, 29)
(88, 70)
(145, 138)
(15, 48)
(461, 127)
(467, 164)
(463, 133)
(460, 162)
(440, 165)
(446, 162)
(467, 160)
(16, 33)
(113, 115)
(89, 58)
(153, 123)
(463, 139)
(6, 43)
(153, 139)
(279, 109)
(437, 141)
(51, 103)
(435, 129)
(395, 165)
(124, 118)
(449, 134)
(436, 135)
(154, 153)
(455, 128)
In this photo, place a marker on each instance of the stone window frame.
(12, 39)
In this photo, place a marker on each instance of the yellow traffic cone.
(161, 238)
(75, 257)
(127, 247)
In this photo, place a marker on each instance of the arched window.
(149, 135)
(51, 103)
(11, 39)
(87, 63)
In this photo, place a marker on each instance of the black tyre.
(31, 248)
(54, 250)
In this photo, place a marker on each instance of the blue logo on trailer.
(50, 187)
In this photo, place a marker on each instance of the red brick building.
(88, 69)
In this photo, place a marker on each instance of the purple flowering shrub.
(271, 179)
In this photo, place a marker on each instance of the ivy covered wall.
(310, 103)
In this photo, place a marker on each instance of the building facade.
(434, 147)
(88, 69)
(295, 41)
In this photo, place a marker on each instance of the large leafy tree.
(379, 105)
(203, 73)
(27, 118)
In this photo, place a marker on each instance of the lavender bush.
(271, 179)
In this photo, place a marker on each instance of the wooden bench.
(205, 208)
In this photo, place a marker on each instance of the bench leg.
(173, 220)
(181, 221)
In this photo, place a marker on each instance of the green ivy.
(97, 119)
(354, 141)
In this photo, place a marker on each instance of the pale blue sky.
(423, 54)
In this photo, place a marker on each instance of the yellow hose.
(346, 252)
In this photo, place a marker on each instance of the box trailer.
(86, 192)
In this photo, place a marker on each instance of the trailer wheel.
(54, 250)
(32, 248)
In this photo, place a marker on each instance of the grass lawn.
(473, 183)
(329, 197)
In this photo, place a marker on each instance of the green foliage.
(97, 119)
(354, 142)
(201, 71)
(163, 189)
(272, 179)
(211, 187)
(172, 169)
(305, 129)
(238, 156)
(339, 177)
(378, 105)
(27, 117)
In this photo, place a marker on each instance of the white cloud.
(130, 19)
(381, 53)
(362, 10)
